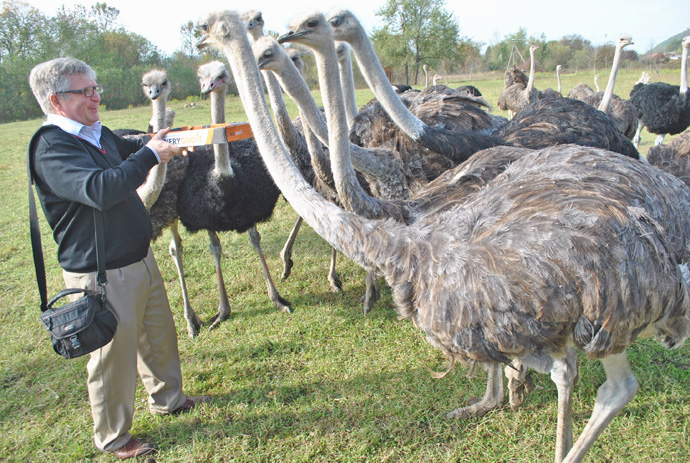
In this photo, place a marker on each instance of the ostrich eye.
(203, 27)
(313, 23)
(268, 54)
(335, 21)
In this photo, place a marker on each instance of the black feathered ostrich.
(544, 256)
(661, 107)
(227, 188)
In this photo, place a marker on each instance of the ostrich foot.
(287, 268)
(372, 294)
(282, 305)
(519, 389)
(335, 284)
(477, 409)
(193, 326)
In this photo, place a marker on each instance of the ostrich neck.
(347, 80)
(374, 167)
(558, 79)
(532, 67)
(608, 92)
(159, 106)
(151, 188)
(221, 151)
(373, 73)
(343, 230)
(350, 192)
(684, 71)
(285, 128)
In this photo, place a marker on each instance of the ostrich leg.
(372, 293)
(618, 389)
(563, 374)
(638, 134)
(659, 139)
(175, 249)
(281, 304)
(333, 278)
(223, 304)
(286, 253)
(493, 397)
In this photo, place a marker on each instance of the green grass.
(325, 384)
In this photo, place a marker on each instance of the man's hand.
(165, 150)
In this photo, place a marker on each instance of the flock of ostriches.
(510, 243)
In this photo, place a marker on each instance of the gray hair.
(53, 77)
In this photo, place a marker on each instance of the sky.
(486, 21)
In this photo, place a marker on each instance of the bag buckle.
(75, 341)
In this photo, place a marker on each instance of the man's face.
(76, 106)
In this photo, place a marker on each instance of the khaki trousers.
(145, 341)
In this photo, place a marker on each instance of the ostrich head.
(254, 21)
(296, 57)
(213, 76)
(346, 26)
(309, 29)
(343, 50)
(624, 40)
(155, 83)
(269, 54)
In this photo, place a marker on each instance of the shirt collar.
(91, 134)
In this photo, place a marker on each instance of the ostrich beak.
(201, 43)
(290, 36)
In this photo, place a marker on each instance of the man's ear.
(55, 103)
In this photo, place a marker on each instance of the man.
(78, 165)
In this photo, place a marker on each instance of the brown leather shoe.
(190, 403)
(133, 448)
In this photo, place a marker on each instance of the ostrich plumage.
(227, 188)
(510, 278)
(557, 121)
(663, 108)
(673, 157)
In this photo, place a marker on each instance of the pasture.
(325, 384)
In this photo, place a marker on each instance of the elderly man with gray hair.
(78, 165)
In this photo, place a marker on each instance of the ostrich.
(516, 96)
(510, 278)
(347, 80)
(314, 168)
(619, 110)
(673, 157)
(425, 68)
(661, 107)
(227, 188)
(596, 83)
(455, 145)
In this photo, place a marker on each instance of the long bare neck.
(347, 79)
(608, 92)
(282, 117)
(152, 187)
(532, 67)
(684, 71)
(558, 79)
(221, 151)
(376, 78)
(340, 228)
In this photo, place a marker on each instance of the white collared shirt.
(91, 134)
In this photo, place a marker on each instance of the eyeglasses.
(87, 92)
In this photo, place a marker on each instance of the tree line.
(414, 33)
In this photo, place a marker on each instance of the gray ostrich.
(661, 107)
(621, 111)
(504, 275)
(227, 188)
(516, 96)
(673, 157)
(543, 123)
(314, 167)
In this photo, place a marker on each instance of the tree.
(20, 25)
(417, 32)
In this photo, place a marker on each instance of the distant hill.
(670, 45)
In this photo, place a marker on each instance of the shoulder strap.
(37, 246)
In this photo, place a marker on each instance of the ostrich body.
(661, 107)
(510, 278)
(227, 188)
(673, 157)
(517, 95)
(456, 146)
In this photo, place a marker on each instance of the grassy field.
(325, 384)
